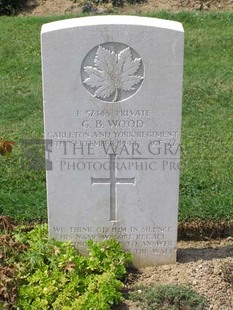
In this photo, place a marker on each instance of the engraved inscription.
(145, 240)
(115, 73)
(113, 180)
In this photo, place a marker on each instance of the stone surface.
(112, 88)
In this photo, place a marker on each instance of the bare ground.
(58, 7)
(205, 266)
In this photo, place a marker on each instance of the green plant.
(54, 276)
(168, 297)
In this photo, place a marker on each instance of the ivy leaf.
(112, 72)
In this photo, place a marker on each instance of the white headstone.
(112, 104)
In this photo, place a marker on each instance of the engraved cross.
(113, 181)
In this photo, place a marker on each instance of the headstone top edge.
(112, 20)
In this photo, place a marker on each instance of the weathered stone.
(112, 102)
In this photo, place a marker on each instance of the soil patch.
(60, 7)
(205, 266)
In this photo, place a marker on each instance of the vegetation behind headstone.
(10, 7)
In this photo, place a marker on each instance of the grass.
(207, 136)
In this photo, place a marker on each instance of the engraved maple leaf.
(113, 72)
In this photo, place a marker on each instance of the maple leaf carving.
(113, 72)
